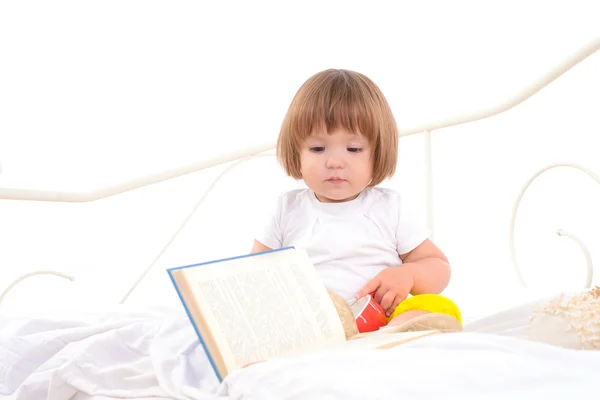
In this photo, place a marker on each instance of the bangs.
(338, 100)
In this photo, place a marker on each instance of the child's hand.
(389, 287)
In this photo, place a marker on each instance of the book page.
(379, 341)
(384, 330)
(264, 306)
(388, 340)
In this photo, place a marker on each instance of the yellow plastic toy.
(433, 303)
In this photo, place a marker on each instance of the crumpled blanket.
(127, 353)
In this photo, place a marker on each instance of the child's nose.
(335, 162)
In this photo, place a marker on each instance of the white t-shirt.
(350, 242)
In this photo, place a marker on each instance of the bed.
(137, 351)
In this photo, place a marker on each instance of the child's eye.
(317, 149)
(354, 149)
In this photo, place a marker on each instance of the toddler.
(340, 137)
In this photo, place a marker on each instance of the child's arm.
(258, 247)
(424, 269)
(429, 267)
(269, 232)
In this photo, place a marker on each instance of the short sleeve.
(411, 228)
(269, 230)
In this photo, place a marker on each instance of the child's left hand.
(390, 287)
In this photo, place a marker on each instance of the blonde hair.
(338, 98)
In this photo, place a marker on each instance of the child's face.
(336, 166)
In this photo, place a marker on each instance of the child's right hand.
(390, 287)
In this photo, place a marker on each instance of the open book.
(264, 305)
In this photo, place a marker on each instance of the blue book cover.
(188, 307)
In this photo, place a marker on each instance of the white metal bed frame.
(267, 149)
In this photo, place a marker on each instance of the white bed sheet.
(113, 354)
(154, 354)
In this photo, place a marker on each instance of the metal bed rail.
(266, 149)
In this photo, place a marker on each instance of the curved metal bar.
(513, 253)
(586, 252)
(428, 159)
(29, 275)
(185, 222)
(522, 95)
(534, 87)
(137, 183)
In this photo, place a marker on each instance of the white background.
(96, 93)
